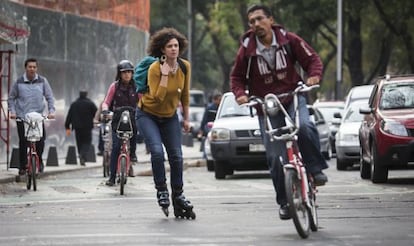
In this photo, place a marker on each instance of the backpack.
(141, 72)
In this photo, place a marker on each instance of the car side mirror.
(311, 111)
(337, 115)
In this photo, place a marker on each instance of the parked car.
(387, 132)
(358, 93)
(328, 110)
(325, 136)
(197, 107)
(235, 141)
(347, 141)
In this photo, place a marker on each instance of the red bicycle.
(33, 131)
(124, 132)
(300, 188)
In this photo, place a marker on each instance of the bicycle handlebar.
(271, 105)
(44, 118)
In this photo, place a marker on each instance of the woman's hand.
(186, 125)
(165, 69)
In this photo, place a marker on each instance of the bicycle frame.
(123, 154)
(302, 205)
(33, 125)
(290, 138)
(124, 132)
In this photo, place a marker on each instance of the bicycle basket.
(33, 127)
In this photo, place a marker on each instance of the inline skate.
(182, 207)
(163, 200)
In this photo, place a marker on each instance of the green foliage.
(384, 29)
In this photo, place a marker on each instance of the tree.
(377, 36)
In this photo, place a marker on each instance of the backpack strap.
(182, 66)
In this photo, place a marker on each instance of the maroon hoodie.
(251, 71)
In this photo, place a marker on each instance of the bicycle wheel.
(122, 174)
(313, 213)
(29, 174)
(105, 164)
(34, 171)
(297, 207)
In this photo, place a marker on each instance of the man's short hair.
(29, 60)
(217, 95)
(266, 10)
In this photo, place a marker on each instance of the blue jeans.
(308, 141)
(159, 131)
(116, 149)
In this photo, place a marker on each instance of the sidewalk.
(192, 157)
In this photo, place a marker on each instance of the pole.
(338, 95)
(190, 32)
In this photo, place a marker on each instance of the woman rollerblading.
(168, 86)
(163, 200)
(182, 207)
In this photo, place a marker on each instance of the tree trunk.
(354, 48)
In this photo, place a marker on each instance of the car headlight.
(272, 107)
(220, 134)
(394, 128)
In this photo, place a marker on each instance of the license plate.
(256, 148)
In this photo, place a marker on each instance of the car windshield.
(230, 108)
(397, 96)
(196, 100)
(328, 112)
(352, 114)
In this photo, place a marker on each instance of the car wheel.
(220, 169)
(364, 167)
(328, 153)
(210, 165)
(379, 172)
(341, 164)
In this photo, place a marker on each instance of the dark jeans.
(309, 145)
(24, 144)
(83, 141)
(116, 149)
(159, 131)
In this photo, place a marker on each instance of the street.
(76, 208)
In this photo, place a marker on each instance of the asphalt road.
(76, 208)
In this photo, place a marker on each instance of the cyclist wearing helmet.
(122, 92)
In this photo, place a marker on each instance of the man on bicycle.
(265, 63)
(27, 95)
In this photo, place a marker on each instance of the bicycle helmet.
(125, 65)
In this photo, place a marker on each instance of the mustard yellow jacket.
(163, 101)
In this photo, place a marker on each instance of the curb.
(147, 172)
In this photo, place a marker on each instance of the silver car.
(347, 137)
(235, 139)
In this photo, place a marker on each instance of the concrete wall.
(74, 53)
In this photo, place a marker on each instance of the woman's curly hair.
(161, 37)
